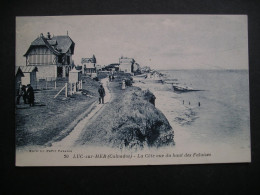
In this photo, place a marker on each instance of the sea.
(216, 115)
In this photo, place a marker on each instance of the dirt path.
(91, 114)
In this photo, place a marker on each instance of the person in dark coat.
(152, 99)
(30, 95)
(24, 92)
(102, 94)
(19, 93)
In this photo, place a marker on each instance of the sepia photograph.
(106, 90)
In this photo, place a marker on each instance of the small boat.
(183, 89)
(140, 75)
(170, 82)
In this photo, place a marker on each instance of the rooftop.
(57, 44)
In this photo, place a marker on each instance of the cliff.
(130, 120)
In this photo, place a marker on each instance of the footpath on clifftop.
(90, 114)
(128, 119)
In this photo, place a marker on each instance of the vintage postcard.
(109, 90)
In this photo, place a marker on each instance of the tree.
(94, 59)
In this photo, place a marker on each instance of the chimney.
(48, 35)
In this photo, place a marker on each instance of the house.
(51, 55)
(89, 65)
(18, 77)
(29, 77)
(126, 64)
(136, 67)
(18, 74)
(98, 67)
(112, 67)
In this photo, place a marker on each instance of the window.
(68, 59)
(59, 59)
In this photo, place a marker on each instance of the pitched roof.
(87, 60)
(40, 41)
(18, 70)
(64, 43)
(57, 44)
(26, 69)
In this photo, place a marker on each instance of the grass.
(130, 120)
(42, 123)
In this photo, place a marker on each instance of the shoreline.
(168, 102)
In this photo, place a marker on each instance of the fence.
(72, 88)
(50, 84)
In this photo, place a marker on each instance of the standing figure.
(152, 99)
(123, 84)
(102, 94)
(30, 95)
(24, 94)
(19, 93)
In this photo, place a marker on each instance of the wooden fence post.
(75, 87)
(66, 89)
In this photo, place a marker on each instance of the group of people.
(111, 77)
(27, 93)
(189, 103)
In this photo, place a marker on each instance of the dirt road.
(91, 113)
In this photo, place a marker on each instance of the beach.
(222, 118)
(128, 123)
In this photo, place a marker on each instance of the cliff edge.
(130, 120)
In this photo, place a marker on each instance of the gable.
(18, 72)
(57, 45)
(64, 44)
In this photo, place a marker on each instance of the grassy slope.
(129, 120)
(42, 123)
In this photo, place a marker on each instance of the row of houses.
(50, 57)
(89, 66)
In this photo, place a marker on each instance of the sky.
(158, 41)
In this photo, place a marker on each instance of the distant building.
(136, 67)
(145, 69)
(126, 64)
(29, 73)
(51, 55)
(89, 65)
(112, 67)
(98, 67)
